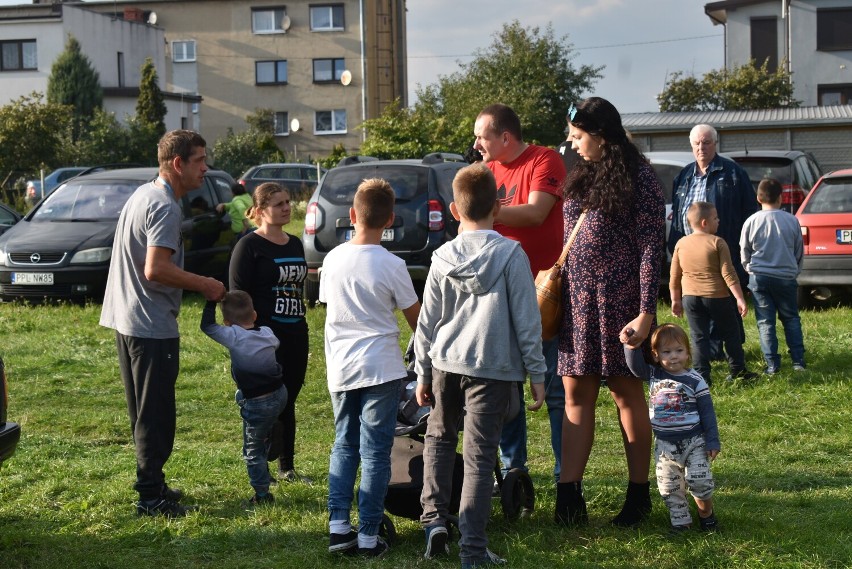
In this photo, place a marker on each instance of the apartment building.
(813, 36)
(323, 67)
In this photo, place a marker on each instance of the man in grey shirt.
(141, 303)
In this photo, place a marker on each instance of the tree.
(526, 68)
(31, 134)
(151, 106)
(237, 152)
(73, 81)
(744, 87)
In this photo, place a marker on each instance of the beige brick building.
(322, 66)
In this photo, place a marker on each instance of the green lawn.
(784, 475)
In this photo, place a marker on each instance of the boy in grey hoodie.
(478, 333)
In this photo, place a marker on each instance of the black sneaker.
(679, 530)
(377, 550)
(258, 500)
(160, 507)
(173, 494)
(490, 558)
(436, 542)
(709, 523)
(345, 543)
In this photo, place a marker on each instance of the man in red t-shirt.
(529, 187)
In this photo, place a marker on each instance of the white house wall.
(50, 42)
(103, 37)
(810, 67)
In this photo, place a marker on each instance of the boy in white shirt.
(362, 283)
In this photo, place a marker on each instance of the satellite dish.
(346, 77)
(294, 125)
(152, 18)
(285, 23)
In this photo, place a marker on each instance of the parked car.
(423, 222)
(796, 170)
(298, 179)
(8, 218)
(826, 220)
(10, 433)
(55, 178)
(62, 248)
(667, 166)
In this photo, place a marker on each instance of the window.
(120, 64)
(829, 95)
(18, 55)
(269, 20)
(764, 42)
(330, 122)
(328, 70)
(282, 123)
(327, 18)
(271, 72)
(183, 51)
(834, 29)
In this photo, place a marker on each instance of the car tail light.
(436, 215)
(242, 183)
(792, 195)
(311, 218)
(806, 237)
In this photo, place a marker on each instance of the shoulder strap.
(564, 255)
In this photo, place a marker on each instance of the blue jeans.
(259, 415)
(700, 312)
(483, 404)
(773, 295)
(513, 439)
(364, 421)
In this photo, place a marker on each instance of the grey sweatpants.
(683, 465)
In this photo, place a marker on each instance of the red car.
(826, 220)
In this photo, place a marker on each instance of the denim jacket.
(729, 188)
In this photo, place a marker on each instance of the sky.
(640, 42)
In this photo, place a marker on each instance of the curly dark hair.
(607, 184)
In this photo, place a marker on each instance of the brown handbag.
(548, 289)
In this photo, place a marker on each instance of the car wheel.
(311, 292)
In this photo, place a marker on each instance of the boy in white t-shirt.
(362, 284)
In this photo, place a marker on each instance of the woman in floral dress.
(610, 284)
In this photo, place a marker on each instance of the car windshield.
(833, 195)
(758, 169)
(340, 184)
(100, 201)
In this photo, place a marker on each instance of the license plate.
(844, 236)
(387, 234)
(32, 278)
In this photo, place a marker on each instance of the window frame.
(277, 120)
(335, 73)
(185, 59)
(276, 80)
(271, 10)
(22, 58)
(764, 41)
(842, 90)
(331, 7)
(828, 22)
(334, 113)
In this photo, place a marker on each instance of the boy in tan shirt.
(702, 274)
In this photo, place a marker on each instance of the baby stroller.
(517, 495)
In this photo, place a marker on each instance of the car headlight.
(2, 258)
(97, 255)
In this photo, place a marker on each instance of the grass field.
(66, 500)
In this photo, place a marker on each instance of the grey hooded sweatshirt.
(479, 316)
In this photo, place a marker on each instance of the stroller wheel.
(517, 495)
(387, 530)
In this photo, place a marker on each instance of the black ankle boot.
(570, 504)
(637, 505)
